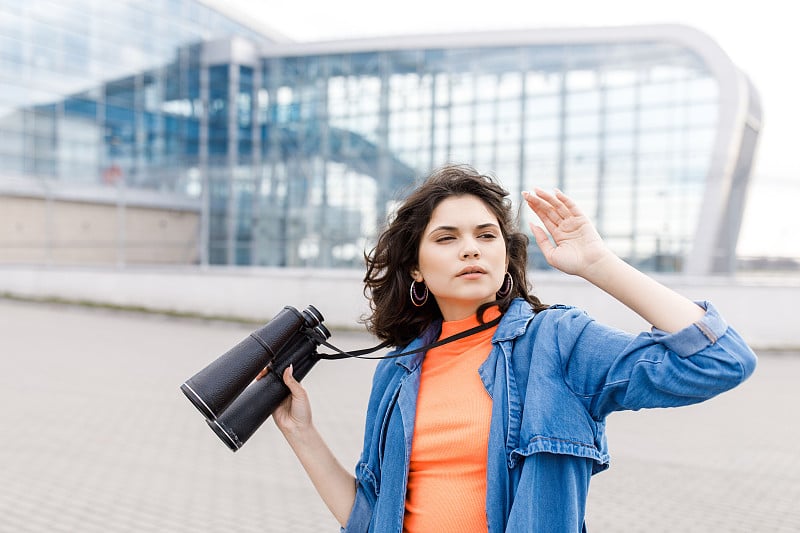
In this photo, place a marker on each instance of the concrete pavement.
(96, 437)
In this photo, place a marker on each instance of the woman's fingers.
(553, 200)
(542, 240)
(541, 203)
(570, 207)
(297, 410)
(558, 202)
(295, 388)
(557, 211)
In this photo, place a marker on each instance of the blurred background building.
(165, 132)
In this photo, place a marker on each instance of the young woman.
(501, 430)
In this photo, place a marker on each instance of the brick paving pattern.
(96, 437)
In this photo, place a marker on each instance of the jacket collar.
(412, 361)
(515, 320)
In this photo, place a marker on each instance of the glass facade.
(627, 130)
(104, 91)
(294, 156)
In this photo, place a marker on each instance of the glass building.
(210, 142)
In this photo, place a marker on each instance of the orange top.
(447, 473)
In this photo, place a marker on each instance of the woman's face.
(462, 256)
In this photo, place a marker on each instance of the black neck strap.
(361, 354)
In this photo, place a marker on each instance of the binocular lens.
(312, 316)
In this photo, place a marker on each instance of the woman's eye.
(487, 236)
(444, 238)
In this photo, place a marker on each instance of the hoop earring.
(418, 300)
(505, 288)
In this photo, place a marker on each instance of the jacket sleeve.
(612, 370)
(361, 514)
(367, 481)
(367, 470)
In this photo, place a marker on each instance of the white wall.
(761, 308)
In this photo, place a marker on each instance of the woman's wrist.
(299, 434)
(602, 269)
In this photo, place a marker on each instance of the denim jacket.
(553, 377)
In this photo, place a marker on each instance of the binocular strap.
(362, 354)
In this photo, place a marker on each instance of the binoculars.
(225, 392)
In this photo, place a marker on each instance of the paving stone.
(96, 436)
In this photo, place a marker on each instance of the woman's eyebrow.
(443, 228)
(455, 228)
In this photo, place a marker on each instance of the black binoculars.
(235, 405)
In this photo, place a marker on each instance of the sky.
(761, 39)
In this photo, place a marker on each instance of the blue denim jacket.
(553, 377)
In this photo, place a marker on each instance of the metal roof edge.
(683, 34)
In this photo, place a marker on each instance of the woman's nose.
(470, 251)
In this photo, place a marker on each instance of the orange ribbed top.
(447, 473)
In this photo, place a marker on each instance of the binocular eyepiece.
(225, 392)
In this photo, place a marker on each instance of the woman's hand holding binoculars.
(293, 414)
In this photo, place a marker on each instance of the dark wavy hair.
(396, 254)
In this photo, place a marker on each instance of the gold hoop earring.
(416, 299)
(505, 288)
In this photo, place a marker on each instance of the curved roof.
(244, 19)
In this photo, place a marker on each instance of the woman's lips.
(471, 273)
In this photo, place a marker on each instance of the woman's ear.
(417, 275)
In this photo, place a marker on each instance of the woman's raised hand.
(578, 247)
